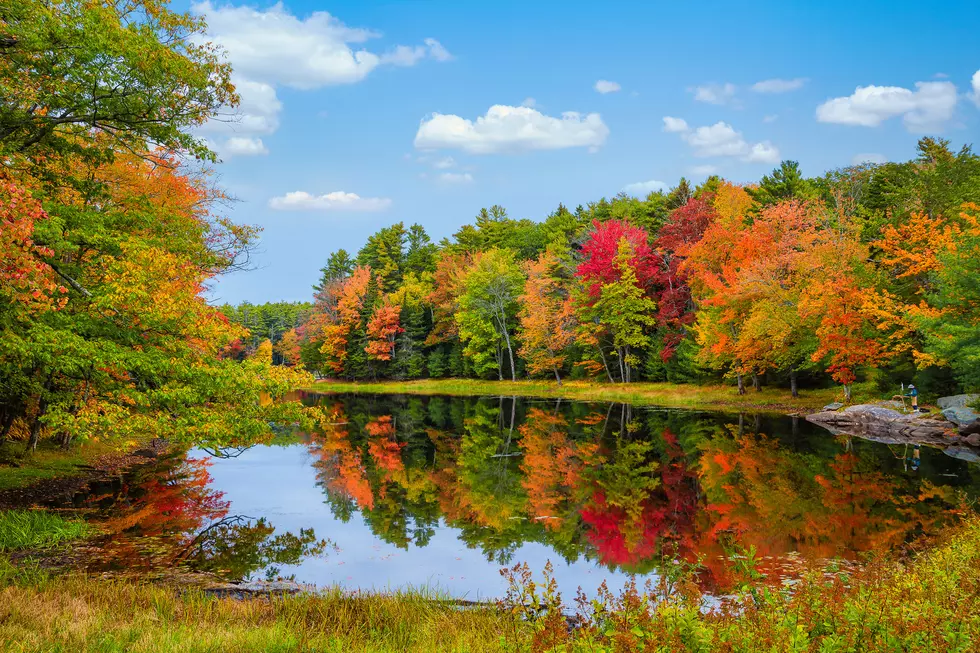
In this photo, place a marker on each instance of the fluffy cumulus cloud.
(779, 85)
(714, 93)
(605, 86)
(336, 201)
(239, 146)
(675, 125)
(927, 108)
(271, 47)
(644, 188)
(975, 95)
(505, 129)
(721, 140)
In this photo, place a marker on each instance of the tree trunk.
(755, 382)
(500, 363)
(557, 376)
(510, 353)
(510, 350)
(847, 393)
(35, 433)
(741, 383)
(605, 364)
(792, 384)
(619, 356)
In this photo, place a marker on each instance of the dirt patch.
(62, 488)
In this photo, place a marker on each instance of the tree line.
(865, 272)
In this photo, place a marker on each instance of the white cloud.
(975, 95)
(644, 188)
(240, 146)
(456, 177)
(714, 93)
(764, 152)
(336, 201)
(605, 86)
(870, 157)
(770, 118)
(272, 47)
(437, 51)
(511, 129)
(275, 46)
(721, 139)
(257, 114)
(779, 85)
(925, 109)
(529, 102)
(704, 170)
(675, 125)
(443, 164)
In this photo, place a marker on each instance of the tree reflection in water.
(629, 489)
(166, 516)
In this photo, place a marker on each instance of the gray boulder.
(956, 401)
(963, 453)
(885, 425)
(966, 419)
(834, 406)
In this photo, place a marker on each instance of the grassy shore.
(928, 604)
(714, 397)
(20, 468)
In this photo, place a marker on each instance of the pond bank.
(923, 605)
(672, 395)
(52, 473)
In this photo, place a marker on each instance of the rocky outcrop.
(958, 410)
(883, 424)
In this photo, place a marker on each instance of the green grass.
(716, 397)
(34, 529)
(20, 468)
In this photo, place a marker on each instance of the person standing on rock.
(914, 393)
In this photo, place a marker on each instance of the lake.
(408, 491)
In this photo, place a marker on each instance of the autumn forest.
(864, 273)
(624, 394)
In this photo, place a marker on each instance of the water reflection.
(437, 490)
(624, 488)
(168, 516)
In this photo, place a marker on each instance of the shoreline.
(668, 395)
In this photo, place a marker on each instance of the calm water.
(438, 491)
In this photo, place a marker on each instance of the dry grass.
(715, 397)
(79, 614)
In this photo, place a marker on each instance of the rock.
(145, 453)
(894, 405)
(885, 425)
(973, 440)
(963, 453)
(957, 401)
(966, 419)
(834, 406)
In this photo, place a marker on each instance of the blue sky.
(356, 115)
